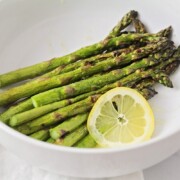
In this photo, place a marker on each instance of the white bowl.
(36, 30)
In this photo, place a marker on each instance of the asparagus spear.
(27, 105)
(45, 109)
(86, 142)
(168, 67)
(62, 129)
(160, 66)
(74, 122)
(127, 81)
(21, 107)
(81, 106)
(68, 126)
(124, 22)
(139, 26)
(93, 83)
(46, 66)
(58, 115)
(147, 82)
(89, 61)
(43, 84)
(50, 140)
(165, 32)
(4, 117)
(72, 138)
(171, 68)
(27, 116)
(71, 122)
(148, 92)
(42, 135)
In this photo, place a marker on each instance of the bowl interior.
(36, 30)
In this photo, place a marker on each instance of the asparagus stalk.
(21, 107)
(27, 105)
(24, 106)
(72, 123)
(168, 67)
(42, 135)
(88, 61)
(93, 83)
(171, 68)
(50, 140)
(43, 84)
(159, 66)
(64, 128)
(68, 126)
(82, 106)
(29, 115)
(165, 32)
(46, 66)
(72, 138)
(124, 22)
(139, 26)
(148, 92)
(37, 112)
(175, 58)
(86, 142)
(147, 82)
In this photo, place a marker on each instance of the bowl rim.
(75, 150)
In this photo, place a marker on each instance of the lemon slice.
(121, 117)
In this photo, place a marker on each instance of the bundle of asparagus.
(54, 106)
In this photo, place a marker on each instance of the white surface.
(36, 30)
(166, 170)
(13, 168)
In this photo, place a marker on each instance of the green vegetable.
(95, 82)
(58, 116)
(88, 51)
(122, 24)
(139, 26)
(42, 135)
(21, 107)
(72, 138)
(86, 142)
